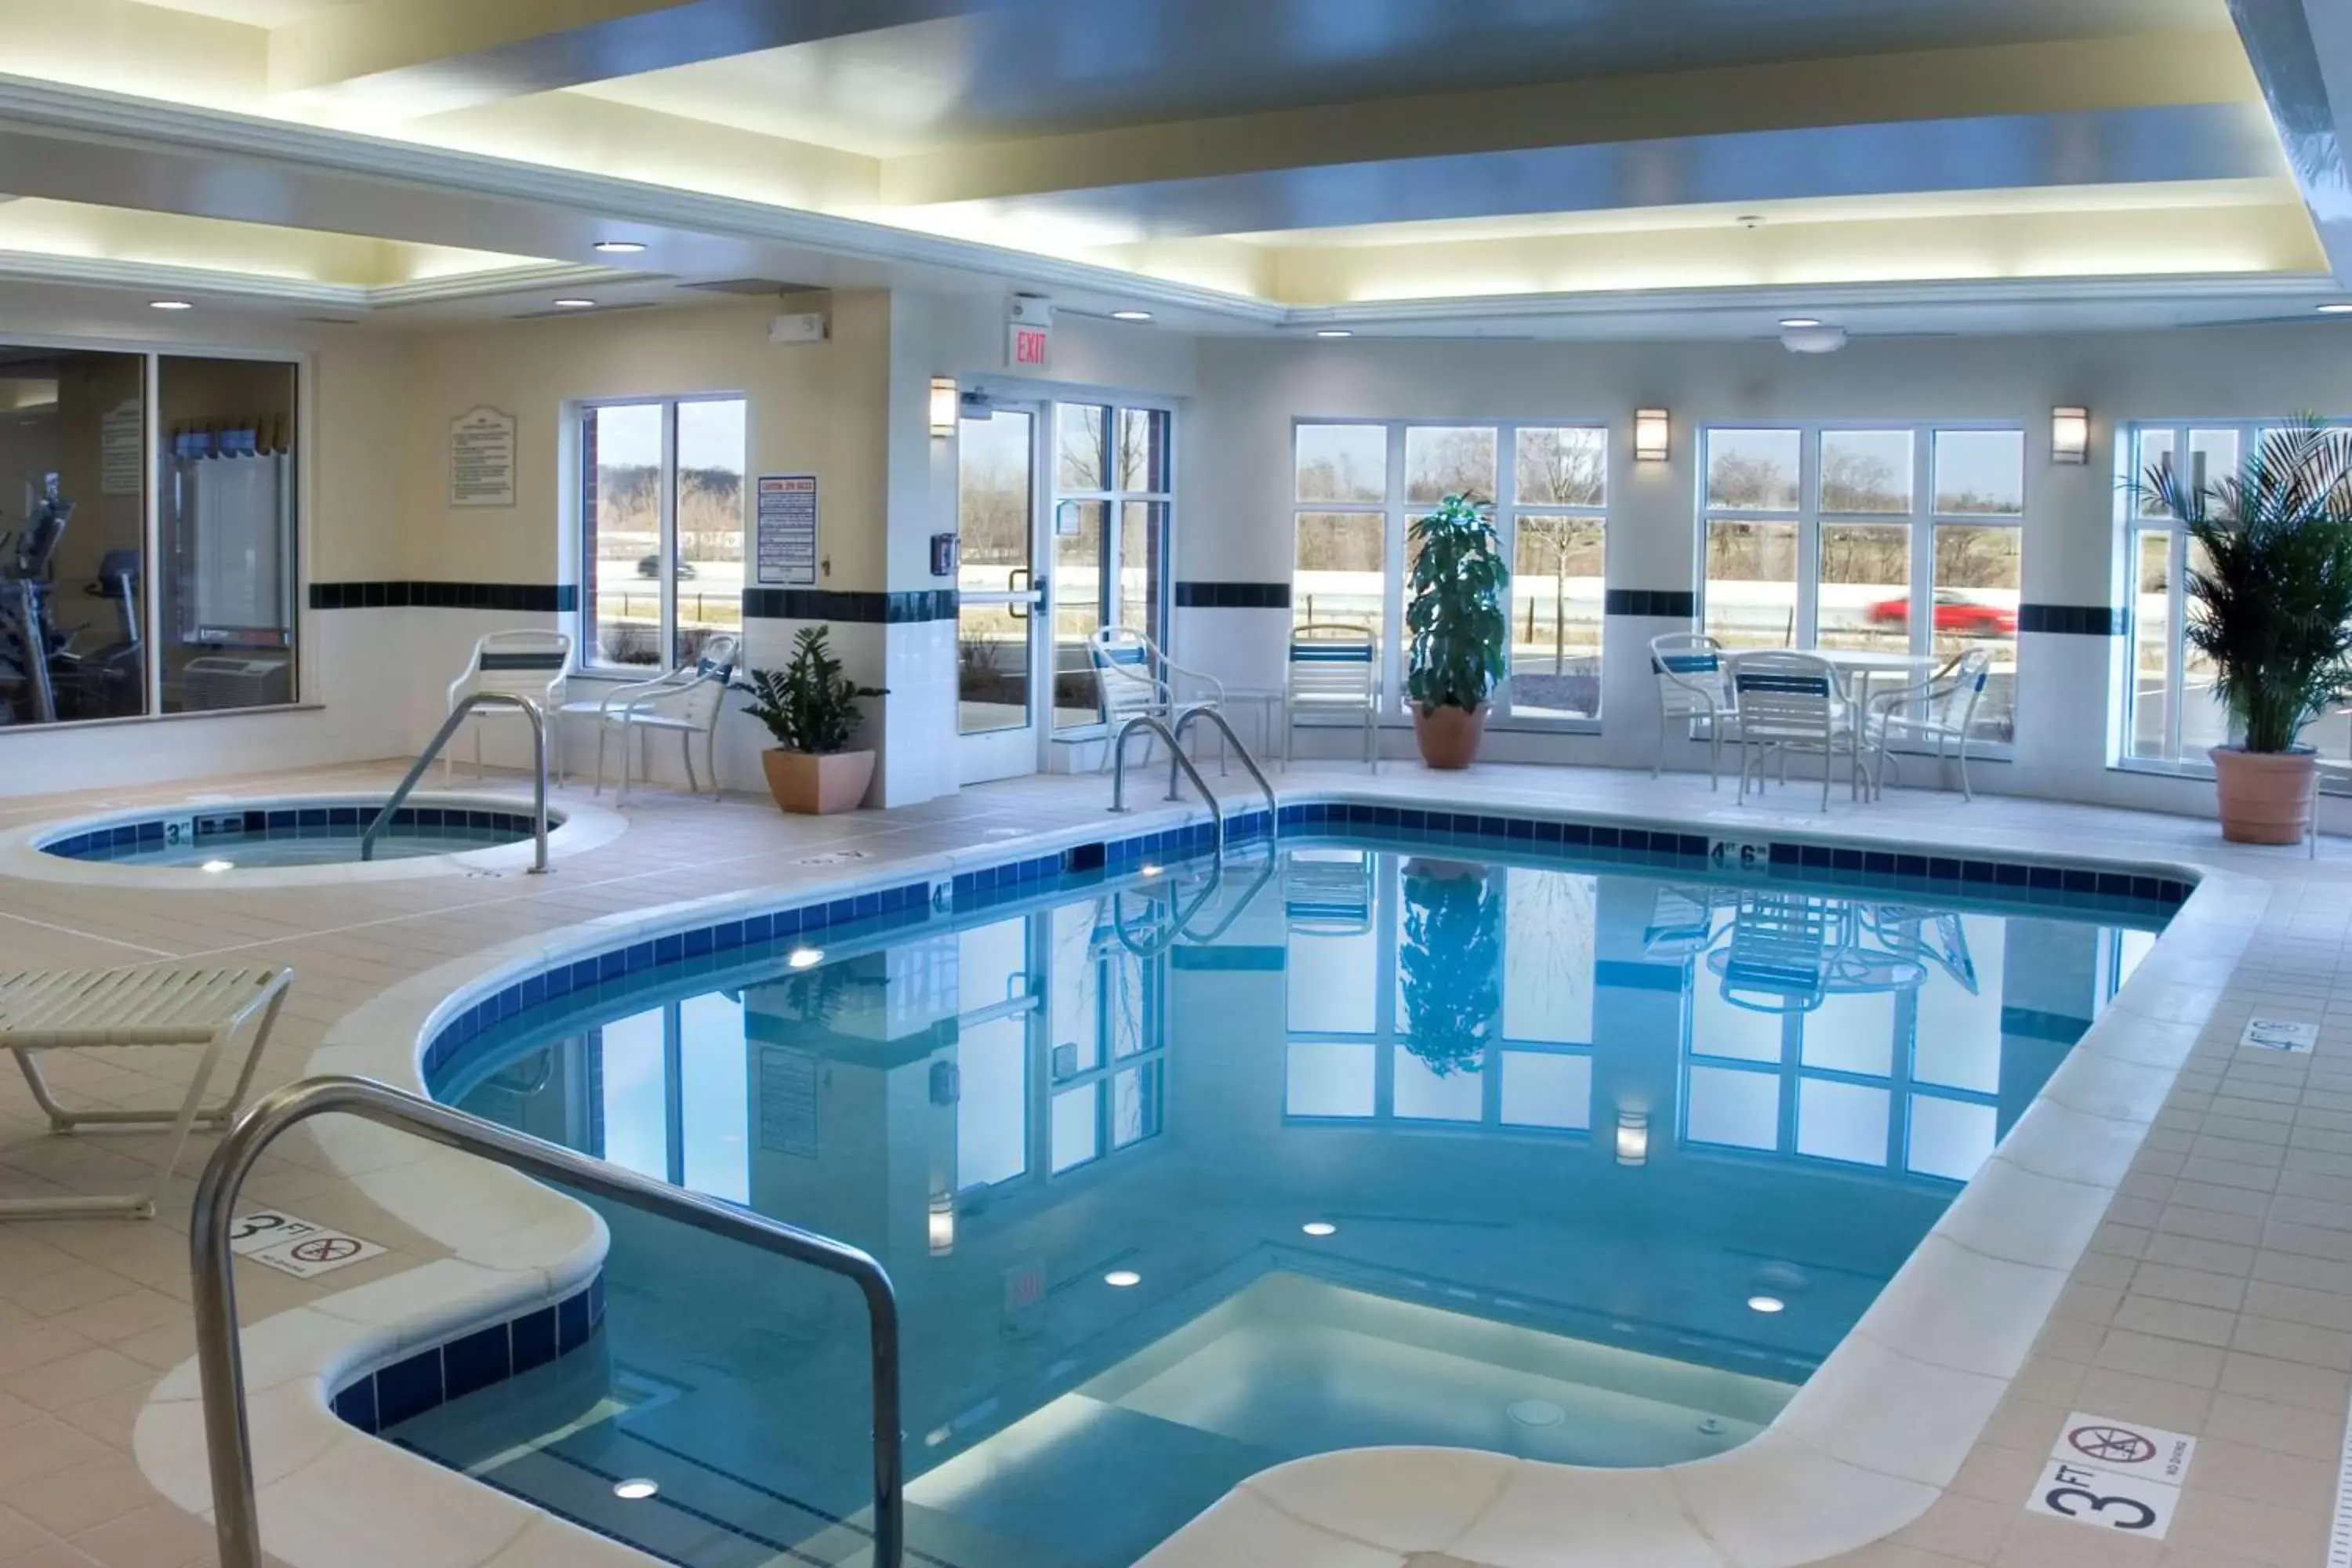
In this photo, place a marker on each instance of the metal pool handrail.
(1175, 750)
(466, 705)
(228, 1442)
(1209, 711)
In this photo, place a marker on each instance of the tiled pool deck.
(2215, 1298)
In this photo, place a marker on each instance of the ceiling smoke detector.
(1817, 339)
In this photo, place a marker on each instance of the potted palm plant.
(2272, 610)
(1450, 963)
(811, 708)
(1459, 630)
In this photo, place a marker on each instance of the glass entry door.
(1002, 649)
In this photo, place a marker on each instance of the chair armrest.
(1209, 682)
(630, 694)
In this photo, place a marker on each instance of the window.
(1359, 486)
(1862, 539)
(1114, 488)
(2171, 717)
(95, 518)
(661, 510)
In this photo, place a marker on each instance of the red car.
(1953, 614)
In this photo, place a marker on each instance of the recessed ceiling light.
(169, 305)
(1800, 321)
(806, 957)
(1319, 1227)
(217, 867)
(620, 246)
(2340, 308)
(635, 1490)
(1768, 1305)
(1130, 315)
(575, 304)
(1333, 332)
(1122, 1279)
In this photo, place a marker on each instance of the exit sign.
(1031, 347)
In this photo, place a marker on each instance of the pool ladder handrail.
(228, 1439)
(457, 715)
(1179, 928)
(1177, 761)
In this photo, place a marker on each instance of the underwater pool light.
(1122, 1279)
(1150, 870)
(1319, 1227)
(217, 867)
(1768, 1305)
(637, 1489)
(805, 957)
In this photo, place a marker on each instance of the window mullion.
(667, 501)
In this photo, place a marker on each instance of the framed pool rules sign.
(785, 527)
(482, 458)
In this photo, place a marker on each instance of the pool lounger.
(81, 1009)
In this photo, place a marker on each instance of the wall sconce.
(942, 1224)
(1633, 1138)
(2070, 435)
(943, 406)
(1652, 433)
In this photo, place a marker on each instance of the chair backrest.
(1689, 670)
(706, 679)
(1786, 696)
(1334, 665)
(1781, 949)
(1328, 894)
(520, 664)
(1956, 704)
(1128, 668)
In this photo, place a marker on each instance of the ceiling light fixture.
(1122, 1279)
(635, 1490)
(804, 958)
(620, 247)
(571, 302)
(1768, 1305)
(1333, 332)
(1319, 1227)
(2340, 308)
(1130, 315)
(169, 305)
(1787, 321)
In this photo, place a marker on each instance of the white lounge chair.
(86, 1009)
(1793, 702)
(529, 664)
(1136, 677)
(686, 701)
(1689, 670)
(1942, 709)
(1335, 671)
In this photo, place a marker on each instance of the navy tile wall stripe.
(1233, 595)
(547, 598)
(483, 1358)
(828, 604)
(2075, 620)
(1665, 604)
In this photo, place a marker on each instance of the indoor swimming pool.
(1181, 1174)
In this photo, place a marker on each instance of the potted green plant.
(1459, 630)
(1450, 963)
(2272, 610)
(811, 708)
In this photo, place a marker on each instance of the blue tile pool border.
(479, 1358)
(228, 826)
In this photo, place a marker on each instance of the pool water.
(1180, 1177)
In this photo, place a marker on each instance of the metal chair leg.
(685, 754)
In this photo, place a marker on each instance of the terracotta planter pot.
(1448, 737)
(818, 786)
(2265, 796)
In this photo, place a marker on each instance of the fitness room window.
(1360, 485)
(661, 510)
(80, 636)
(1897, 538)
(2171, 717)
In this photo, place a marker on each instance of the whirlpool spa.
(1415, 1130)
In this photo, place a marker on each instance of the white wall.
(1238, 480)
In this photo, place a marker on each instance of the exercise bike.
(43, 678)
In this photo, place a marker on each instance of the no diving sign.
(2115, 1475)
(295, 1246)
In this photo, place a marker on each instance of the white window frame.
(1113, 501)
(1398, 515)
(587, 654)
(1923, 519)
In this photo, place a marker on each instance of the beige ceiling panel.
(2018, 79)
(45, 227)
(120, 46)
(2274, 239)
